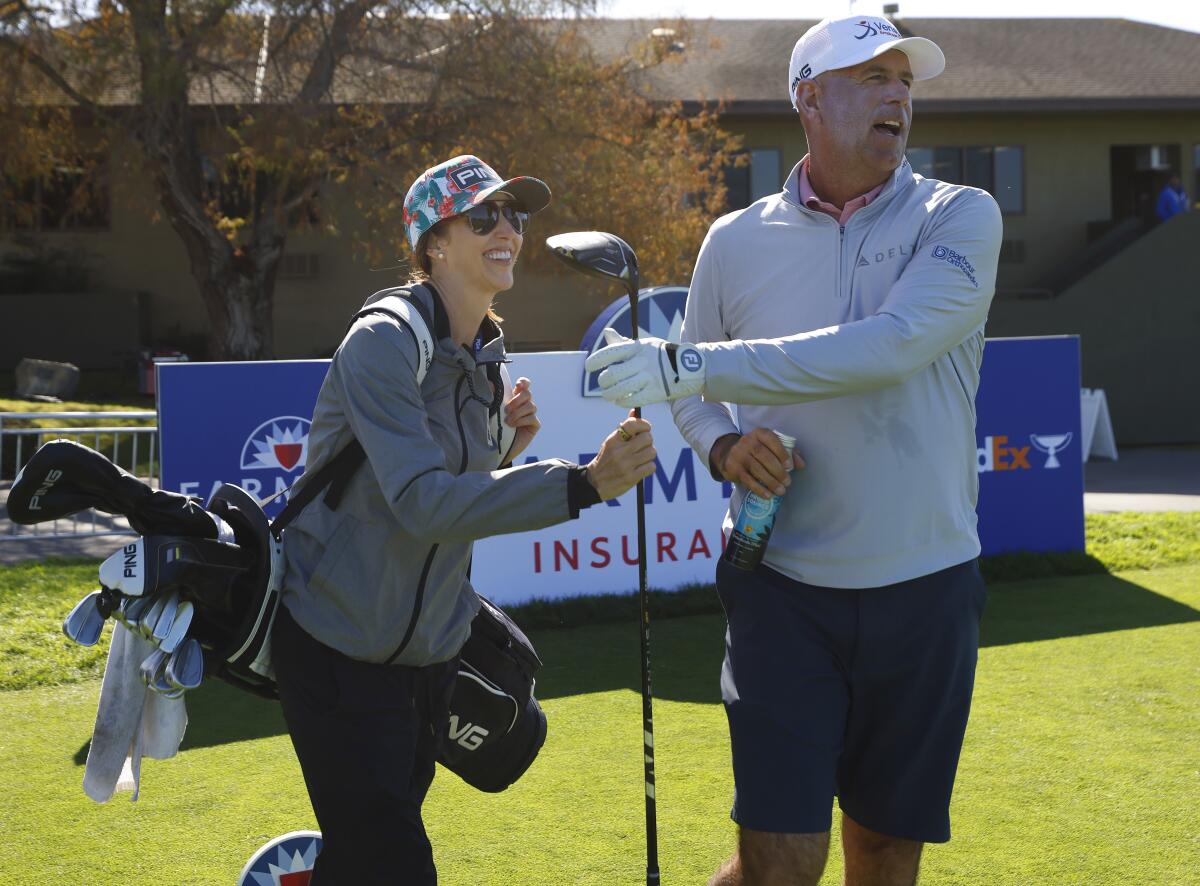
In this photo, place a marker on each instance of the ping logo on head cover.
(52, 477)
(660, 314)
(285, 861)
(278, 444)
(468, 176)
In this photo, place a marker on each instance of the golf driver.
(85, 622)
(608, 256)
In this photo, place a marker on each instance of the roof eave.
(760, 108)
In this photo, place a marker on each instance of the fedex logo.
(997, 455)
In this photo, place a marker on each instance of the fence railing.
(132, 447)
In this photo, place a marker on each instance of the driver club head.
(600, 254)
(85, 622)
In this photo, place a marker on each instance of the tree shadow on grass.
(686, 652)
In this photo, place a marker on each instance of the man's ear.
(808, 100)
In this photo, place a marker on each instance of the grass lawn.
(1081, 763)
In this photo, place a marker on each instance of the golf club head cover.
(64, 477)
(639, 372)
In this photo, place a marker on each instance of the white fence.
(133, 447)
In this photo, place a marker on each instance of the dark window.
(71, 198)
(757, 177)
(998, 170)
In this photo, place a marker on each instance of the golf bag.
(225, 561)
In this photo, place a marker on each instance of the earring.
(441, 254)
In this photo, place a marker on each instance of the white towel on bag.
(131, 721)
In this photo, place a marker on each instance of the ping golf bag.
(203, 582)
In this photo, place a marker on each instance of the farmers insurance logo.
(278, 444)
(284, 861)
(660, 314)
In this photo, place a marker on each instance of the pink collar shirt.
(840, 214)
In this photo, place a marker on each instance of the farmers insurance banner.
(247, 423)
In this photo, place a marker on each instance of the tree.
(243, 115)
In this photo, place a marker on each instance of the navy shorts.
(859, 694)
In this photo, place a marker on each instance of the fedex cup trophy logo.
(1051, 444)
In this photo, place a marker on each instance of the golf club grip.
(647, 695)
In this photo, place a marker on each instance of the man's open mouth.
(889, 127)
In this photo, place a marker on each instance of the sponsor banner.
(1028, 437)
(243, 423)
(660, 314)
(247, 423)
(287, 860)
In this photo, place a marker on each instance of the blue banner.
(1027, 432)
(248, 423)
(243, 423)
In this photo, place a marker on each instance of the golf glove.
(644, 371)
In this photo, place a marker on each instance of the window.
(997, 170)
(756, 179)
(71, 198)
(1195, 195)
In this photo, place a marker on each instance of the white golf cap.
(843, 42)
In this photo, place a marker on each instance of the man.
(850, 653)
(1173, 198)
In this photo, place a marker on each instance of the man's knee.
(874, 858)
(785, 859)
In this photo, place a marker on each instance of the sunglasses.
(484, 217)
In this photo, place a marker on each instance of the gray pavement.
(1151, 478)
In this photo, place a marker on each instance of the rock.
(44, 378)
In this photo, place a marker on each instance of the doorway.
(1139, 173)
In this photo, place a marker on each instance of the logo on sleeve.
(947, 254)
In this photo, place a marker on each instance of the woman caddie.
(377, 601)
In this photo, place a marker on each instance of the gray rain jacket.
(398, 546)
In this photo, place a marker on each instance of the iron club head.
(185, 668)
(599, 254)
(179, 627)
(85, 622)
(166, 619)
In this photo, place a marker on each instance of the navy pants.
(367, 737)
(862, 694)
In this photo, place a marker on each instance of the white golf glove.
(647, 370)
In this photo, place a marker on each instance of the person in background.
(1172, 200)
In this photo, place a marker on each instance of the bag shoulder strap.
(407, 305)
(404, 305)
